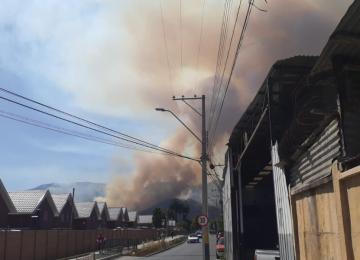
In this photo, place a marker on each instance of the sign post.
(203, 220)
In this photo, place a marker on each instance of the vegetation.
(194, 225)
(153, 247)
(157, 217)
(179, 208)
(220, 223)
(183, 224)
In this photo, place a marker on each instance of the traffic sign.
(203, 220)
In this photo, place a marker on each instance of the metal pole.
(205, 230)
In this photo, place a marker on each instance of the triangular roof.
(60, 201)
(133, 216)
(4, 194)
(145, 219)
(115, 213)
(28, 201)
(85, 209)
(125, 214)
(102, 206)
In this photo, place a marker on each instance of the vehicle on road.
(199, 233)
(220, 235)
(266, 255)
(220, 248)
(193, 238)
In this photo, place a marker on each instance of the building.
(35, 209)
(125, 218)
(133, 219)
(89, 215)
(116, 219)
(104, 213)
(6, 206)
(145, 221)
(67, 210)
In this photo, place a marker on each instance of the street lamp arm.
(183, 124)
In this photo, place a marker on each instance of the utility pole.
(204, 158)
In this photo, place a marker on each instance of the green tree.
(220, 223)
(183, 224)
(185, 211)
(194, 225)
(176, 206)
(157, 217)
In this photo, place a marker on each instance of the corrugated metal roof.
(84, 209)
(340, 42)
(305, 62)
(316, 162)
(114, 213)
(4, 194)
(133, 215)
(145, 219)
(101, 206)
(60, 200)
(27, 201)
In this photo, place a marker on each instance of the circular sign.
(203, 220)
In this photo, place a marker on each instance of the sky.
(105, 61)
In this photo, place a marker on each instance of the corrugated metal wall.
(316, 162)
(227, 214)
(283, 213)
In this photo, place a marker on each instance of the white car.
(193, 238)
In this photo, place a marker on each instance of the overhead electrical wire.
(139, 142)
(167, 55)
(75, 117)
(251, 3)
(201, 28)
(181, 52)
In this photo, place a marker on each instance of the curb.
(162, 250)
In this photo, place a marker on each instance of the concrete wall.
(326, 217)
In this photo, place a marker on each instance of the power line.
(167, 55)
(72, 116)
(182, 76)
(201, 27)
(247, 17)
(69, 121)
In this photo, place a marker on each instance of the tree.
(194, 225)
(220, 223)
(183, 224)
(185, 210)
(176, 206)
(157, 217)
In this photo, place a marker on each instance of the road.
(182, 252)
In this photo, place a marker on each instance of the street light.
(165, 110)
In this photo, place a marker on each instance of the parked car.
(266, 255)
(193, 238)
(199, 233)
(221, 234)
(220, 248)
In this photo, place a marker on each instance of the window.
(45, 215)
(62, 217)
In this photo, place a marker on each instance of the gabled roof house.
(125, 217)
(6, 206)
(116, 218)
(89, 215)
(133, 219)
(35, 209)
(66, 207)
(104, 213)
(145, 221)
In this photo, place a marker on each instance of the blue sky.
(105, 61)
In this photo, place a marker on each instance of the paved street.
(182, 252)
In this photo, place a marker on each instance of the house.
(104, 213)
(89, 215)
(6, 206)
(116, 218)
(133, 219)
(145, 221)
(35, 209)
(66, 207)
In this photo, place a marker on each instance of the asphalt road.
(184, 252)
